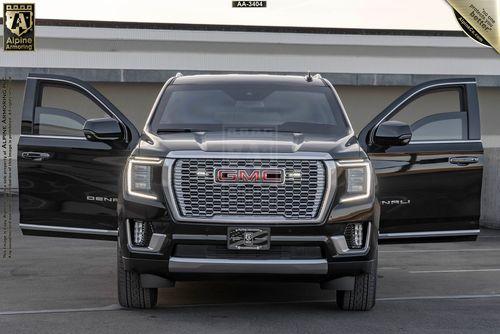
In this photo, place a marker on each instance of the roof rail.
(178, 75)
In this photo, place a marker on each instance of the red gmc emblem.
(249, 175)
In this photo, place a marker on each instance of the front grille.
(298, 197)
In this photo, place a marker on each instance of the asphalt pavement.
(54, 285)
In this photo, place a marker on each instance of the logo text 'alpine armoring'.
(19, 27)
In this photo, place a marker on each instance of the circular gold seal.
(469, 30)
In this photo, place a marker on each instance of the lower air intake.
(354, 235)
(142, 232)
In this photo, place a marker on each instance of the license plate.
(248, 238)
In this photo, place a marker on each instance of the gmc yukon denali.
(249, 177)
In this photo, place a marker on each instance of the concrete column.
(490, 197)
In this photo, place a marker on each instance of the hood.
(250, 142)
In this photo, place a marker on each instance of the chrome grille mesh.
(299, 197)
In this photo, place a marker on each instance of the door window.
(435, 116)
(63, 111)
(443, 126)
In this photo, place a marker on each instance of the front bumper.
(178, 256)
(293, 270)
(266, 267)
(196, 251)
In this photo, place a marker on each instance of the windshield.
(276, 107)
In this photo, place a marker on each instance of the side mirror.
(392, 133)
(102, 129)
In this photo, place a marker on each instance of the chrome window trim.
(444, 141)
(65, 229)
(429, 234)
(53, 137)
(103, 105)
(168, 188)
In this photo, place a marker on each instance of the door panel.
(430, 188)
(420, 190)
(68, 185)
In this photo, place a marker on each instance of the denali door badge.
(102, 199)
(395, 202)
(258, 176)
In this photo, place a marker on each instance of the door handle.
(463, 161)
(35, 156)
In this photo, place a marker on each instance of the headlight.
(140, 177)
(357, 180)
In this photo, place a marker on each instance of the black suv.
(248, 176)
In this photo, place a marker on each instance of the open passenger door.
(429, 187)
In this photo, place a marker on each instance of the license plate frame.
(248, 238)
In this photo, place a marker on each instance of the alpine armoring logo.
(257, 176)
(19, 27)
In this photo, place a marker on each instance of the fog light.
(354, 235)
(142, 233)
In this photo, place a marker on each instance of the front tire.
(130, 292)
(362, 297)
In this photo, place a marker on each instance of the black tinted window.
(435, 116)
(285, 108)
(443, 126)
(63, 111)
